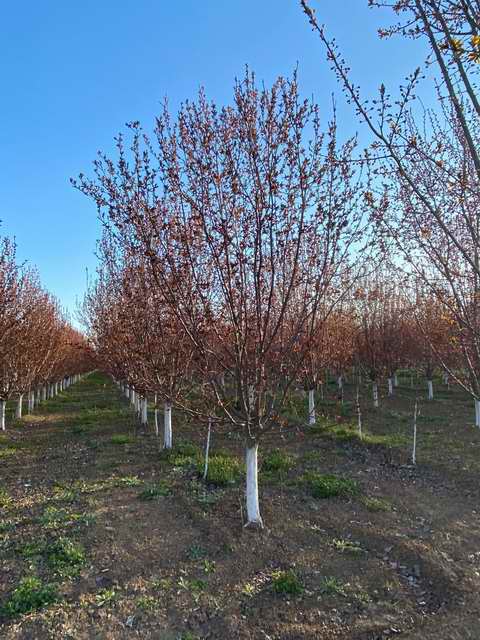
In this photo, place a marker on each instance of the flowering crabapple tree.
(248, 215)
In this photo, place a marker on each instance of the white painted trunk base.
(477, 412)
(430, 389)
(311, 407)
(19, 409)
(390, 386)
(145, 411)
(3, 405)
(253, 506)
(207, 450)
(167, 426)
(375, 395)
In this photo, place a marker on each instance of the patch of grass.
(32, 549)
(147, 603)
(329, 486)
(222, 470)
(154, 491)
(287, 583)
(347, 546)
(65, 494)
(5, 452)
(376, 504)
(120, 438)
(30, 595)
(195, 552)
(106, 597)
(54, 518)
(195, 587)
(332, 586)
(277, 462)
(126, 481)
(65, 557)
(6, 500)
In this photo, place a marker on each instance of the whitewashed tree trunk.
(44, 393)
(477, 412)
(3, 406)
(359, 414)
(395, 380)
(340, 383)
(311, 407)
(167, 426)
(133, 396)
(390, 386)
(253, 507)
(19, 409)
(145, 411)
(207, 450)
(430, 389)
(156, 415)
(375, 395)
(31, 401)
(414, 449)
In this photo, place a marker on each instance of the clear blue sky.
(72, 73)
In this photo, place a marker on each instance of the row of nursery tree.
(40, 352)
(246, 249)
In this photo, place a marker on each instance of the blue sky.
(73, 73)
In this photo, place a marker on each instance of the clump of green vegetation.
(147, 603)
(120, 438)
(195, 552)
(183, 454)
(195, 587)
(65, 494)
(106, 597)
(8, 451)
(6, 500)
(222, 470)
(329, 486)
(154, 491)
(54, 518)
(32, 549)
(347, 546)
(277, 462)
(65, 557)
(287, 583)
(126, 481)
(377, 504)
(333, 587)
(30, 595)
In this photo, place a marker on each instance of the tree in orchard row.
(428, 163)
(36, 343)
(247, 224)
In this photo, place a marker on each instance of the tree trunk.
(390, 386)
(430, 389)
(156, 415)
(167, 426)
(414, 450)
(253, 507)
(311, 406)
(375, 395)
(3, 405)
(19, 409)
(207, 450)
(145, 411)
(395, 380)
(477, 412)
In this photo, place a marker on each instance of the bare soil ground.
(126, 542)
